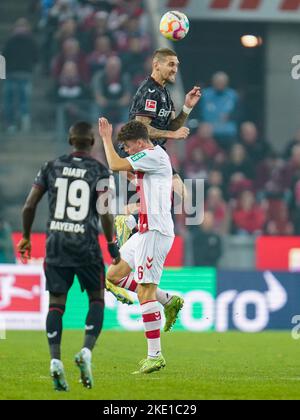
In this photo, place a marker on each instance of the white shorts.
(146, 254)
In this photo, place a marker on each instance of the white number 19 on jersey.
(73, 199)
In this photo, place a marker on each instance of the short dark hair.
(81, 135)
(134, 130)
(162, 53)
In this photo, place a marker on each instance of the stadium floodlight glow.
(251, 41)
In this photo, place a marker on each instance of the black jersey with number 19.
(153, 100)
(73, 183)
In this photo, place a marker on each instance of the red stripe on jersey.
(152, 334)
(250, 4)
(133, 286)
(220, 4)
(290, 5)
(143, 213)
(152, 317)
(123, 281)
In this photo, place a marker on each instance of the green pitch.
(199, 366)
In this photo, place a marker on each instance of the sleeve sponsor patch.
(151, 105)
(138, 156)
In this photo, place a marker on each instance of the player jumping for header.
(146, 251)
(153, 106)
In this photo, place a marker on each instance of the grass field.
(199, 366)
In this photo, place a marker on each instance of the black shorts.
(59, 280)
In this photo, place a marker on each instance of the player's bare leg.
(93, 327)
(54, 329)
(111, 282)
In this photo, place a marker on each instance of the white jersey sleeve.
(148, 160)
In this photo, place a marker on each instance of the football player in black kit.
(153, 106)
(73, 183)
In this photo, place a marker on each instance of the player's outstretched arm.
(28, 214)
(114, 161)
(191, 100)
(154, 133)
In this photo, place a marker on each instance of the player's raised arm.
(191, 100)
(114, 161)
(155, 133)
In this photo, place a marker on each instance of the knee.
(112, 275)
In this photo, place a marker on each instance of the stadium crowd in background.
(97, 52)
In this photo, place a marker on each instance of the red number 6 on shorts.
(140, 272)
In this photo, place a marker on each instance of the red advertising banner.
(278, 253)
(175, 258)
(23, 301)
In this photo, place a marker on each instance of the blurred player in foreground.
(73, 183)
(146, 251)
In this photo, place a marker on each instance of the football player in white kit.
(144, 254)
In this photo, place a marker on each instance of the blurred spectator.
(293, 166)
(206, 244)
(256, 148)
(218, 107)
(7, 254)
(132, 29)
(62, 10)
(239, 172)
(133, 59)
(271, 178)
(295, 190)
(278, 223)
(141, 73)
(248, 216)
(21, 55)
(73, 99)
(67, 29)
(96, 25)
(216, 179)
(204, 140)
(98, 58)
(71, 52)
(216, 204)
(112, 92)
(289, 147)
(196, 167)
(239, 163)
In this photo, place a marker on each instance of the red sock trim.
(152, 317)
(152, 334)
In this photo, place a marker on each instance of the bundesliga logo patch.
(151, 105)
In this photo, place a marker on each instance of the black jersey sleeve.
(41, 180)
